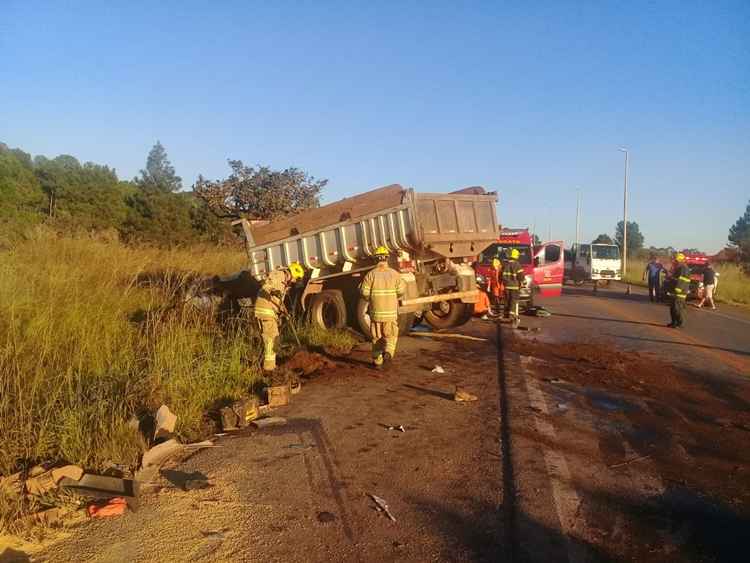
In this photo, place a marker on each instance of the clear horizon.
(531, 102)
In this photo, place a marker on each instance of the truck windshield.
(497, 250)
(605, 252)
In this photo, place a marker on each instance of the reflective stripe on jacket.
(382, 287)
(267, 305)
(682, 287)
(511, 271)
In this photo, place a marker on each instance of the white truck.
(433, 238)
(597, 263)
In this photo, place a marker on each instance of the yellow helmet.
(514, 254)
(296, 271)
(680, 257)
(381, 253)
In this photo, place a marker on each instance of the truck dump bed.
(337, 236)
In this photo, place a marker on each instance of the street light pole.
(578, 219)
(625, 221)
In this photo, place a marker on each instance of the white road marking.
(565, 497)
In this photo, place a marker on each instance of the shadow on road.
(605, 293)
(609, 320)
(660, 341)
(433, 392)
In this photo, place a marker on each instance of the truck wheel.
(447, 314)
(405, 320)
(327, 309)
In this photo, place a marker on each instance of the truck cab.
(597, 263)
(543, 265)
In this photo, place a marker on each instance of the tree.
(739, 238)
(635, 238)
(260, 193)
(603, 239)
(159, 174)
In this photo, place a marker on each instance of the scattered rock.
(164, 424)
(463, 396)
(269, 421)
(49, 480)
(438, 369)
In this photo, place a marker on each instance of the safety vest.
(682, 287)
(382, 287)
(268, 305)
(511, 269)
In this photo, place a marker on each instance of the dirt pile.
(308, 364)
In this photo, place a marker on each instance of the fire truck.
(543, 265)
(696, 263)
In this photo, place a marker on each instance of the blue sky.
(529, 99)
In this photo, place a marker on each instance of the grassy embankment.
(733, 287)
(87, 342)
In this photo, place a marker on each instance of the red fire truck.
(543, 265)
(696, 263)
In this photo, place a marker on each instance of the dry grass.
(89, 337)
(84, 346)
(733, 287)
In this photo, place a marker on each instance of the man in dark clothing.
(513, 275)
(653, 270)
(709, 286)
(681, 275)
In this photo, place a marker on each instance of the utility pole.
(578, 219)
(625, 221)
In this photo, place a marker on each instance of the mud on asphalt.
(657, 463)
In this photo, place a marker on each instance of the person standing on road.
(512, 277)
(495, 286)
(383, 287)
(709, 286)
(653, 270)
(270, 304)
(681, 275)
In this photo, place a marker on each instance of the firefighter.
(513, 275)
(268, 306)
(495, 286)
(681, 275)
(383, 287)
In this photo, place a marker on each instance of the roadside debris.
(461, 395)
(239, 414)
(382, 506)
(154, 458)
(165, 421)
(447, 335)
(215, 535)
(100, 486)
(48, 480)
(438, 369)
(537, 312)
(400, 427)
(278, 395)
(295, 385)
(113, 507)
(308, 363)
(269, 421)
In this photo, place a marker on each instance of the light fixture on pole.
(625, 222)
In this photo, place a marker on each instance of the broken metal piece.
(99, 486)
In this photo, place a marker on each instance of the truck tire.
(327, 309)
(405, 320)
(447, 314)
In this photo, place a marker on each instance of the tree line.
(152, 208)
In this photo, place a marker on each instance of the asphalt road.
(601, 436)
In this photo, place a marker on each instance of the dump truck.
(433, 238)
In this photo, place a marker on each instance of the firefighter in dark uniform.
(681, 275)
(513, 276)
